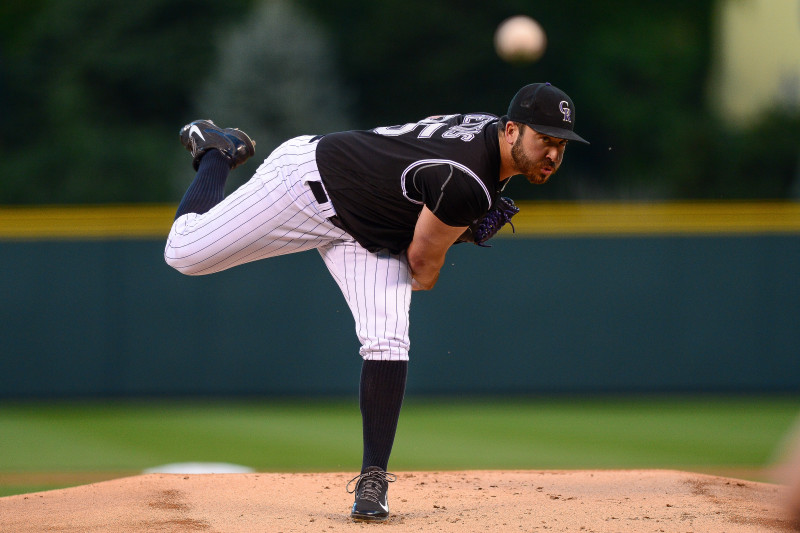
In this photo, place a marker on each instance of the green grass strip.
(692, 433)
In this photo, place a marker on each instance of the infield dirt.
(466, 501)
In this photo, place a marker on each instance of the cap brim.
(561, 133)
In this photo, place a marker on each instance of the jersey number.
(465, 131)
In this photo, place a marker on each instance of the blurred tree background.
(93, 92)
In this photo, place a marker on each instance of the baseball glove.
(487, 226)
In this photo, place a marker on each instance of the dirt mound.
(471, 501)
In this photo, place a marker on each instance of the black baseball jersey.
(378, 180)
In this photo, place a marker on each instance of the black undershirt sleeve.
(454, 196)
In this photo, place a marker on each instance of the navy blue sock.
(208, 187)
(383, 385)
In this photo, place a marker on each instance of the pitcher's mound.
(463, 502)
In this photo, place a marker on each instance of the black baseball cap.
(547, 109)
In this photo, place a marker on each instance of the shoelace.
(373, 484)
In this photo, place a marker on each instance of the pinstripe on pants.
(275, 213)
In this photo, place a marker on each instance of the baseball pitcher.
(381, 207)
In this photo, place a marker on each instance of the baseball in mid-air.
(520, 39)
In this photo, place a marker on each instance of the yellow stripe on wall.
(100, 222)
(734, 218)
(534, 219)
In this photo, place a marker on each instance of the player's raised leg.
(274, 213)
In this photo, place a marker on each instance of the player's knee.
(182, 264)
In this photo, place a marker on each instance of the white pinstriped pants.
(275, 213)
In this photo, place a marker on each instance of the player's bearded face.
(537, 156)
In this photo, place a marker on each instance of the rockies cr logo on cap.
(563, 106)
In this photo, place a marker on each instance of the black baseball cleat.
(371, 504)
(201, 136)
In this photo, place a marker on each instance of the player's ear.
(512, 131)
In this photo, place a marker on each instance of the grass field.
(52, 445)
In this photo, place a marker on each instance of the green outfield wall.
(583, 298)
